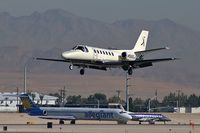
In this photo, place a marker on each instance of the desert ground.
(89, 84)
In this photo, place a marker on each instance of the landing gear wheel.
(70, 67)
(130, 71)
(72, 122)
(82, 71)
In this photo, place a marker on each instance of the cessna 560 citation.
(84, 56)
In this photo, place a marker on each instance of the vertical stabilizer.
(30, 106)
(141, 42)
(27, 102)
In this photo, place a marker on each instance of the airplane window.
(86, 49)
(106, 53)
(112, 54)
(121, 112)
(80, 48)
(94, 51)
(103, 52)
(100, 52)
(109, 53)
(74, 48)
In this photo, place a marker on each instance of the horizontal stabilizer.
(151, 50)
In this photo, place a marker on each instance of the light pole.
(127, 92)
(97, 103)
(25, 71)
(149, 103)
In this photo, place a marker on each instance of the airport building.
(9, 101)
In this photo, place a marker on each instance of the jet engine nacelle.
(128, 55)
(124, 55)
(37, 112)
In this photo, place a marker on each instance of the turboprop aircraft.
(143, 117)
(84, 56)
(151, 118)
(73, 114)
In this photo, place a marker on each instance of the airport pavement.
(20, 122)
(103, 128)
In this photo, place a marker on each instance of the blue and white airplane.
(73, 114)
(151, 118)
(143, 117)
(84, 56)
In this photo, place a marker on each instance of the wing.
(80, 63)
(58, 117)
(149, 62)
(147, 119)
(48, 59)
(103, 65)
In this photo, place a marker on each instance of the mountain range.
(49, 33)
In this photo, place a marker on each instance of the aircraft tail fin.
(27, 101)
(141, 42)
(30, 106)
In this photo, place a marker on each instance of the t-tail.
(30, 106)
(141, 42)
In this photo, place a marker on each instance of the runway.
(17, 122)
(101, 128)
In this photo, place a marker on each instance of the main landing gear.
(72, 122)
(130, 71)
(61, 122)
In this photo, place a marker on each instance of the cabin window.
(103, 52)
(100, 51)
(109, 53)
(106, 53)
(94, 51)
(112, 54)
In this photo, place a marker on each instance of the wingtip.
(167, 47)
(176, 58)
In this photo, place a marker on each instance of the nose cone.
(69, 55)
(127, 116)
(167, 119)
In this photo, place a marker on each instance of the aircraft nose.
(68, 55)
(127, 116)
(167, 119)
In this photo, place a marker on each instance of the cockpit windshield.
(80, 47)
(122, 112)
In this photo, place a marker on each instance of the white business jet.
(84, 56)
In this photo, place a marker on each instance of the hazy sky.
(186, 12)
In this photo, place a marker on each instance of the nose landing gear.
(70, 67)
(82, 71)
